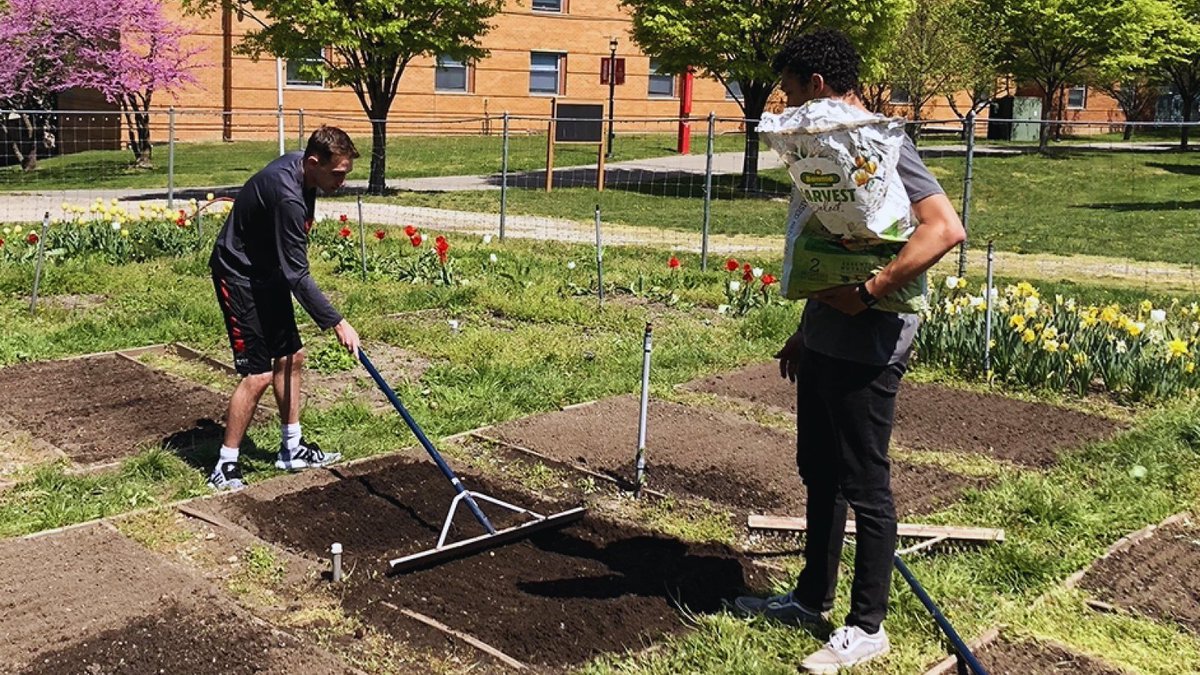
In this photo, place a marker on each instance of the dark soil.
(699, 452)
(181, 641)
(934, 417)
(1158, 576)
(1004, 657)
(101, 408)
(557, 598)
(88, 600)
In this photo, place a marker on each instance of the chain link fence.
(1110, 194)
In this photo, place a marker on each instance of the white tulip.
(1158, 315)
(487, 238)
(735, 286)
(116, 226)
(571, 265)
(493, 258)
(952, 282)
(757, 272)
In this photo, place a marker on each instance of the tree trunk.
(26, 146)
(754, 102)
(376, 184)
(1047, 115)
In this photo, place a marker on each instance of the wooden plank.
(792, 524)
(469, 639)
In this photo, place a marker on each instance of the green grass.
(202, 165)
(558, 350)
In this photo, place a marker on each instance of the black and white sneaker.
(227, 477)
(306, 456)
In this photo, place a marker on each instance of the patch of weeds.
(328, 358)
(259, 573)
(157, 530)
(698, 521)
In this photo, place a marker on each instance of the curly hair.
(825, 52)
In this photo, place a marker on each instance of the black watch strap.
(865, 295)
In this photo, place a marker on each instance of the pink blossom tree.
(126, 49)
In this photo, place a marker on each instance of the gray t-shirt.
(873, 337)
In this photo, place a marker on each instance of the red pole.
(684, 142)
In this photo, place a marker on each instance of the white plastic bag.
(852, 214)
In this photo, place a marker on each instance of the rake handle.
(416, 429)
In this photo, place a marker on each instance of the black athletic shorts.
(260, 323)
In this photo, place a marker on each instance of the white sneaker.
(848, 646)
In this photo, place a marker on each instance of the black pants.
(844, 423)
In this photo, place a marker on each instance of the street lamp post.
(612, 87)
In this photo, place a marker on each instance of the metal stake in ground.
(599, 259)
(969, 133)
(640, 463)
(362, 239)
(37, 273)
(987, 326)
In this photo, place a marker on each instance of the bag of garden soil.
(850, 214)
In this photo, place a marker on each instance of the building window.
(557, 6)
(305, 72)
(660, 84)
(733, 90)
(899, 96)
(1077, 98)
(451, 75)
(544, 71)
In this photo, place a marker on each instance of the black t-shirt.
(265, 238)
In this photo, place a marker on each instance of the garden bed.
(558, 598)
(100, 408)
(88, 600)
(935, 417)
(1008, 657)
(1155, 575)
(699, 452)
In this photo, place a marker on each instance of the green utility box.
(1014, 108)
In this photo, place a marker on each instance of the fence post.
(969, 132)
(362, 238)
(599, 260)
(708, 175)
(171, 157)
(504, 176)
(300, 134)
(37, 274)
(987, 331)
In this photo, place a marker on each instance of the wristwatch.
(865, 295)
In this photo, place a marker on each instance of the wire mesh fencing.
(1088, 198)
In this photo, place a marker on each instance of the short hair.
(828, 53)
(327, 142)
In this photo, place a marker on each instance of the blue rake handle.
(416, 429)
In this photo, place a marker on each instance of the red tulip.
(343, 218)
(673, 262)
(768, 279)
(731, 265)
(1, 243)
(32, 238)
(380, 234)
(747, 273)
(344, 233)
(442, 247)
(415, 239)
(410, 231)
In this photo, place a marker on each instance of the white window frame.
(467, 73)
(654, 76)
(899, 96)
(1083, 91)
(297, 83)
(561, 9)
(559, 73)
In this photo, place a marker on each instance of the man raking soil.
(260, 261)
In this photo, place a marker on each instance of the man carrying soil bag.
(259, 262)
(867, 220)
